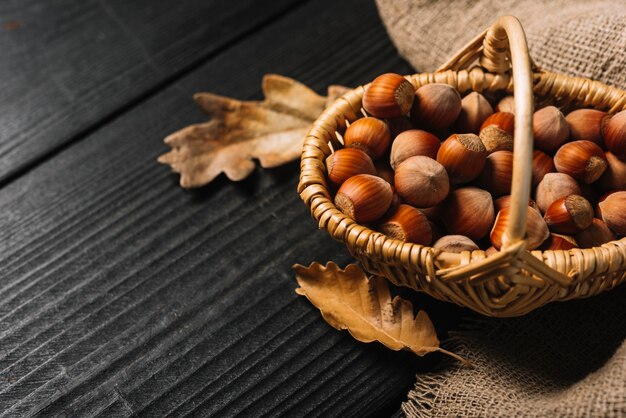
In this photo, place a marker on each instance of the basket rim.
(545, 83)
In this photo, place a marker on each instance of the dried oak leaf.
(348, 300)
(271, 131)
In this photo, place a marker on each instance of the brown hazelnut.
(496, 132)
(550, 130)
(436, 106)
(569, 215)
(601, 199)
(455, 244)
(506, 104)
(615, 134)
(594, 236)
(421, 181)
(468, 211)
(542, 165)
(498, 172)
(587, 124)
(389, 96)
(553, 187)
(614, 177)
(536, 229)
(413, 142)
(364, 198)
(370, 135)
(558, 242)
(613, 212)
(408, 224)
(348, 162)
(463, 156)
(583, 160)
(474, 110)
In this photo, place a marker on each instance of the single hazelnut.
(496, 132)
(587, 124)
(455, 244)
(498, 172)
(413, 142)
(550, 130)
(542, 165)
(408, 224)
(370, 135)
(615, 134)
(347, 162)
(583, 160)
(613, 210)
(474, 110)
(553, 187)
(506, 104)
(614, 177)
(421, 181)
(364, 197)
(569, 215)
(558, 242)
(468, 211)
(536, 229)
(505, 201)
(463, 156)
(436, 106)
(389, 96)
(595, 235)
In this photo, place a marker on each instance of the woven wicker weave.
(513, 281)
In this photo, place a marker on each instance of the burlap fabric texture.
(566, 359)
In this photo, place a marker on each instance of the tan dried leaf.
(271, 131)
(348, 300)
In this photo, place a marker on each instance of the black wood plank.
(68, 65)
(120, 293)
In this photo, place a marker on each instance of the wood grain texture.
(68, 66)
(122, 294)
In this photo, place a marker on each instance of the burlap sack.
(566, 359)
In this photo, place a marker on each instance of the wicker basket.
(513, 281)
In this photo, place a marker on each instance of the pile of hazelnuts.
(429, 167)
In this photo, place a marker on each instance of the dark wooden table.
(120, 292)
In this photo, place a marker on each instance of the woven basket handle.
(493, 47)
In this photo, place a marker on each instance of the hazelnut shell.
(413, 142)
(389, 96)
(463, 156)
(615, 134)
(421, 181)
(408, 224)
(436, 106)
(469, 211)
(583, 160)
(348, 162)
(370, 135)
(550, 130)
(364, 197)
(455, 244)
(569, 215)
